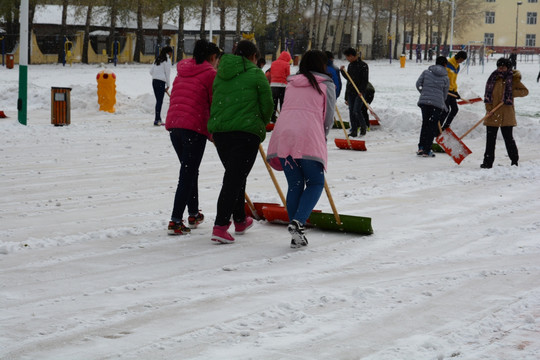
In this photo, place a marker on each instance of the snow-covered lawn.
(87, 270)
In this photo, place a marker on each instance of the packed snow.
(87, 270)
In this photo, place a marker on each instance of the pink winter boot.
(241, 227)
(221, 235)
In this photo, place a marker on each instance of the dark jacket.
(359, 73)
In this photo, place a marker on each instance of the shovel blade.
(349, 224)
(3, 115)
(259, 214)
(359, 145)
(453, 145)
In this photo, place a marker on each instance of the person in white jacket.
(161, 71)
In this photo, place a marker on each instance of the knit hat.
(504, 62)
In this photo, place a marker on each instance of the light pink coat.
(304, 121)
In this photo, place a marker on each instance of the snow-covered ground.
(87, 270)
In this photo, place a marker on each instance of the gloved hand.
(456, 94)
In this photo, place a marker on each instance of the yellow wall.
(504, 28)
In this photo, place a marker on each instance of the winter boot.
(241, 227)
(221, 235)
(296, 229)
(195, 220)
(178, 228)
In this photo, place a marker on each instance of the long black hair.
(313, 60)
(203, 50)
(162, 57)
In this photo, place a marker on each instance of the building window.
(533, 1)
(530, 40)
(488, 39)
(490, 0)
(490, 17)
(531, 18)
(408, 37)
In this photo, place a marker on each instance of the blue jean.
(159, 92)
(189, 146)
(355, 113)
(306, 182)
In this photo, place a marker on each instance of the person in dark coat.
(513, 59)
(359, 73)
(433, 86)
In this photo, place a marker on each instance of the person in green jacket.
(242, 105)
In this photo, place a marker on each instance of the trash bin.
(60, 106)
(402, 60)
(10, 60)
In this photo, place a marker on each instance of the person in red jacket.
(187, 121)
(280, 69)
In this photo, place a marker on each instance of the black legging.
(237, 151)
(491, 139)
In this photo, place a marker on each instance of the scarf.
(507, 99)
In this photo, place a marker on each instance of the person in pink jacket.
(187, 121)
(279, 71)
(298, 143)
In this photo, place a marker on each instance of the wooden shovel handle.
(251, 207)
(482, 120)
(271, 172)
(331, 200)
(343, 127)
(361, 97)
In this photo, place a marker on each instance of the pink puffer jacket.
(191, 97)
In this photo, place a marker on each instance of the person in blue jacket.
(333, 71)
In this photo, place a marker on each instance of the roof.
(52, 14)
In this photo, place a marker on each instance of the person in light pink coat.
(298, 143)
(187, 121)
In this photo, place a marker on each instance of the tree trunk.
(328, 17)
(359, 24)
(63, 32)
(398, 8)
(86, 37)
(222, 9)
(180, 33)
(312, 30)
(202, 32)
(338, 23)
(112, 29)
(238, 32)
(389, 30)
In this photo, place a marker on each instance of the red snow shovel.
(348, 143)
(377, 120)
(469, 101)
(453, 145)
(2, 115)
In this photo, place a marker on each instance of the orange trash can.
(10, 60)
(60, 106)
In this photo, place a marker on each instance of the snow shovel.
(338, 222)
(377, 120)
(469, 101)
(453, 145)
(348, 143)
(2, 115)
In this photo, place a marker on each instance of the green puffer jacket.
(242, 99)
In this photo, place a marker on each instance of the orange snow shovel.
(377, 120)
(2, 115)
(453, 145)
(348, 143)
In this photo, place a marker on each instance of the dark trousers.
(237, 151)
(278, 94)
(431, 116)
(189, 146)
(369, 98)
(491, 139)
(355, 113)
(448, 116)
(159, 92)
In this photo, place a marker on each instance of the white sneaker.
(296, 229)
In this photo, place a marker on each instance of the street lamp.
(517, 16)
